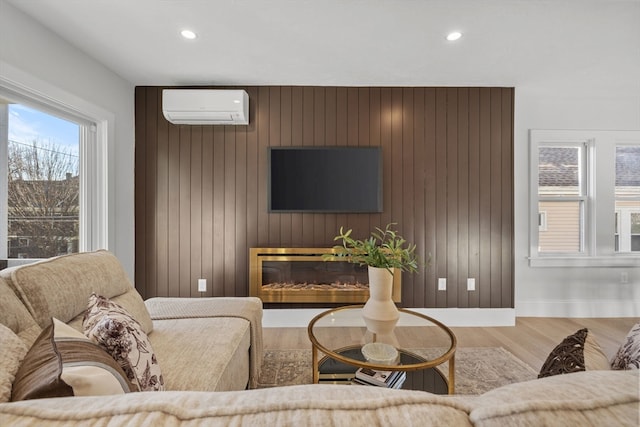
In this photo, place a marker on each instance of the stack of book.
(389, 379)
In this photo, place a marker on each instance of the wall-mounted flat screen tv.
(325, 179)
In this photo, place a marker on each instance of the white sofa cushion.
(207, 354)
(246, 308)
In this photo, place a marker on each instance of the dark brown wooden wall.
(201, 191)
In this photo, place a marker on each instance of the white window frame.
(599, 204)
(94, 189)
(584, 188)
(624, 224)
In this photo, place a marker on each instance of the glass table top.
(430, 341)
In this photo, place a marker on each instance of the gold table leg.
(314, 364)
(452, 374)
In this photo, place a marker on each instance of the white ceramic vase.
(380, 312)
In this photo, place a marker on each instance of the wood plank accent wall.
(201, 191)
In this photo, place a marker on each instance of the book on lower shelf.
(389, 379)
(335, 378)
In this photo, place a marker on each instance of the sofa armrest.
(248, 308)
(579, 398)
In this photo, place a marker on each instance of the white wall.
(599, 91)
(571, 292)
(604, 94)
(30, 52)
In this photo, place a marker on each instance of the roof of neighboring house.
(628, 166)
(558, 166)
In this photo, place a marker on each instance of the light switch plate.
(442, 284)
(202, 285)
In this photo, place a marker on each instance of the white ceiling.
(563, 43)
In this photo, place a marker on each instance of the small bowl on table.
(380, 353)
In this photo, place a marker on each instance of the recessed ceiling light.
(453, 36)
(188, 34)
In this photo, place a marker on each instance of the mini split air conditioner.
(205, 106)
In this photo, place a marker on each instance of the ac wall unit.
(205, 106)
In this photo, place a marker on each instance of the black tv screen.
(325, 179)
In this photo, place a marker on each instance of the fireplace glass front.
(303, 275)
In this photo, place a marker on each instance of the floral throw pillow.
(628, 355)
(113, 328)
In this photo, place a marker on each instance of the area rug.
(478, 369)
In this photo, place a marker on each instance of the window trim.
(599, 245)
(95, 233)
(4, 179)
(623, 216)
(582, 198)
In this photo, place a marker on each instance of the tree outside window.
(43, 188)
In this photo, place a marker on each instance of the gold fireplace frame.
(258, 255)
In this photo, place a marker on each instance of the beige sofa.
(205, 344)
(594, 398)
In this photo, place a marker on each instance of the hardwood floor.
(531, 339)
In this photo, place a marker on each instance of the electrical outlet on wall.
(471, 284)
(442, 284)
(202, 285)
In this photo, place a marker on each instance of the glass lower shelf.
(332, 371)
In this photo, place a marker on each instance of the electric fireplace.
(302, 275)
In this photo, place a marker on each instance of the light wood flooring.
(530, 340)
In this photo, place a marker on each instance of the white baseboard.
(460, 317)
(578, 308)
(300, 317)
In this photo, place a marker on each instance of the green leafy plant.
(384, 248)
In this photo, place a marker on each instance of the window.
(627, 194)
(584, 198)
(43, 192)
(53, 193)
(628, 230)
(562, 195)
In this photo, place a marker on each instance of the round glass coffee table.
(421, 341)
